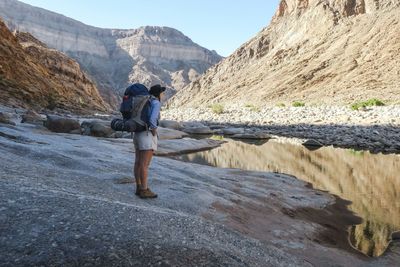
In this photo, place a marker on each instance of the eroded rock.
(233, 131)
(60, 124)
(312, 143)
(6, 118)
(185, 145)
(32, 117)
(251, 136)
(171, 124)
(97, 128)
(166, 133)
(198, 130)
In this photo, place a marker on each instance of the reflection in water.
(370, 181)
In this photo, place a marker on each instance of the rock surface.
(171, 124)
(336, 51)
(6, 118)
(97, 128)
(198, 130)
(185, 145)
(233, 131)
(312, 143)
(115, 57)
(197, 220)
(165, 133)
(34, 76)
(61, 124)
(257, 136)
(32, 117)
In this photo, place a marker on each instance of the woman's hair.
(156, 90)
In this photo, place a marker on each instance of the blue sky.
(222, 25)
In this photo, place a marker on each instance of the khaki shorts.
(145, 141)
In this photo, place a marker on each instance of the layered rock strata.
(35, 76)
(115, 57)
(322, 52)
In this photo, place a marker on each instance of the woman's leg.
(136, 168)
(145, 159)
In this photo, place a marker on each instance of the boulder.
(6, 118)
(32, 117)
(76, 131)
(119, 135)
(192, 124)
(251, 136)
(185, 145)
(97, 128)
(60, 124)
(198, 130)
(85, 128)
(165, 133)
(312, 143)
(171, 124)
(233, 131)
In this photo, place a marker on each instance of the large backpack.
(135, 98)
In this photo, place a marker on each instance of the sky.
(221, 25)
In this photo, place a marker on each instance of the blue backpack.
(135, 98)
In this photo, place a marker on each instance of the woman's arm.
(155, 107)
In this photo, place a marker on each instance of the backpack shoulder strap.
(139, 102)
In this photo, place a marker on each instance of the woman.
(146, 142)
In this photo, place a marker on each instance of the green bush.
(217, 137)
(369, 103)
(217, 108)
(253, 107)
(51, 102)
(281, 105)
(298, 104)
(356, 152)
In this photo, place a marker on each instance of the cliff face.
(329, 51)
(113, 57)
(34, 76)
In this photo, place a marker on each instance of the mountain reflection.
(370, 181)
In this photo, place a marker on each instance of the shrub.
(253, 107)
(217, 108)
(369, 103)
(51, 102)
(298, 104)
(356, 152)
(217, 137)
(281, 105)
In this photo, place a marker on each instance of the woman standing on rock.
(146, 142)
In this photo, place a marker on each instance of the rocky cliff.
(316, 51)
(34, 76)
(115, 57)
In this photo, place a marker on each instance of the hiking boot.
(147, 193)
(137, 190)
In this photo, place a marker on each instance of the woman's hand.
(154, 131)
